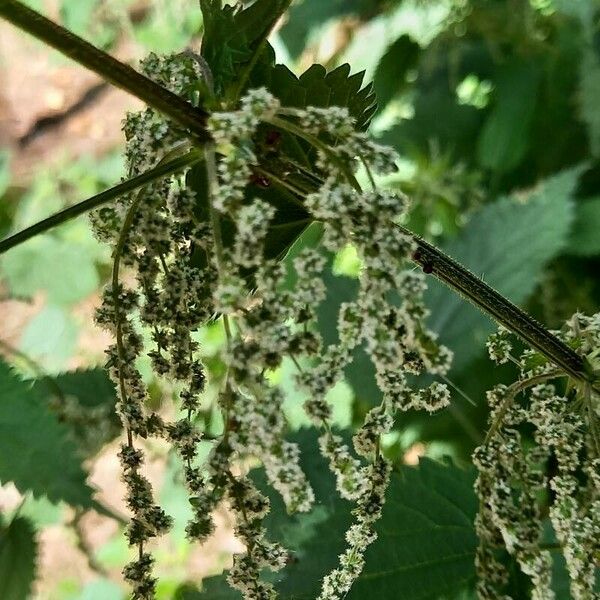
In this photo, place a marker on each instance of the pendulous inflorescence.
(197, 256)
(539, 471)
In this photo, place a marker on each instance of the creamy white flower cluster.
(522, 473)
(165, 244)
(392, 332)
(187, 271)
(275, 322)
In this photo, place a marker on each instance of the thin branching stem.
(215, 223)
(135, 183)
(511, 394)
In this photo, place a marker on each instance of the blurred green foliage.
(493, 107)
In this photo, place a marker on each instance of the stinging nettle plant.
(233, 160)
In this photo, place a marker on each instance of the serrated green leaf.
(232, 35)
(36, 453)
(504, 139)
(317, 87)
(426, 538)
(95, 421)
(390, 75)
(585, 236)
(18, 554)
(508, 243)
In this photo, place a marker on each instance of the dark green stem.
(109, 68)
(488, 300)
(130, 185)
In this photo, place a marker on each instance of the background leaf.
(36, 453)
(390, 76)
(508, 243)
(504, 138)
(48, 263)
(585, 236)
(426, 538)
(18, 553)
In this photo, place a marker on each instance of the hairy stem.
(168, 168)
(109, 68)
(434, 261)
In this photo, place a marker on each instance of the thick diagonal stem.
(109, 68)
(488, 300)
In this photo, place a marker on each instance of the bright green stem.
(431, 259)
(168, 168)
(109, 68)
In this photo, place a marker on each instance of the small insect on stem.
(426, 265)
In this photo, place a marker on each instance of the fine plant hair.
(223, 177)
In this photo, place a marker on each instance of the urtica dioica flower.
(159, 234)
(542, 449)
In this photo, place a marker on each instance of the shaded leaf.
(232, 35)
(36, 453)
(426, 538)
(504, 139)
(508, 243)
(18, 553)
(86, 404)
(585, 236)
(390, 76)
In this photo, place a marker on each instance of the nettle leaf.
(91, 387)
(316, 87)
(508, 243)
(289, 222)
(426, 537)
(18, 553)
(588, 97)
(504, 139)
(232, 36)
(585, 237)
(36, 453)
(390, 76)
(95, 398)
